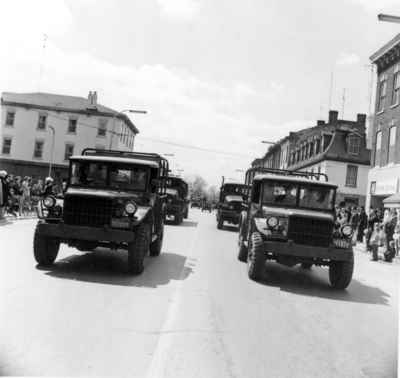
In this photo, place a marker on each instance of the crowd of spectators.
(19, 196)
(379, 229)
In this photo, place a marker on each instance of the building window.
(72, 123)
(102, 129)
(6, 148)
(351, 176)
(327, 140)
(382, 92)
(69, 151)
(353, 144)
(318, 146)
(392, 144)
(42, 122)
(38, 150)
(10, 117)
(396, 86)
(378, 145)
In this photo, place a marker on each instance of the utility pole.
(343, 101)
(52, 148)
(42, 61)
(330, 92)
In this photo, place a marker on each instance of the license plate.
(118, 223)
(340, 243)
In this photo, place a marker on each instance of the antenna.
(42, 61)
(330, 92)
(343, 101)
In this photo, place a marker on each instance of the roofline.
(88, 111)
(385, 48)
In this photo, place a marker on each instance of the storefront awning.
(392, 201)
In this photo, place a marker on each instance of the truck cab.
(177, 204)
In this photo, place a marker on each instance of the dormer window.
(353, 144)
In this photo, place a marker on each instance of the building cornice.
(87, 112)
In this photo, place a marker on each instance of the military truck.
(113, 199)
(177, 204)
(231, 198)
(290, 219)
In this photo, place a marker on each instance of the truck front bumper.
(229, 216)
(100, 234)
(290, 248)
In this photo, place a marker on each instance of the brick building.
(30, 121)
(336, 148)
(384, 176)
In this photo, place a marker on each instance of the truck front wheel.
(341, 273)
(138, 249)
(255, 257)
(156, 245)
(45, 249)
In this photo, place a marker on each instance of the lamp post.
(115, 115)
(388, 18)
(52, 148)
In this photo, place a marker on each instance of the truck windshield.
(105, 175)
(292, 194)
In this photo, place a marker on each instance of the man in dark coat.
(3, 193)
(362, 225)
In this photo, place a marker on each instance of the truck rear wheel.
(138, 249)
(220, 223)
(341, 273)
(255, 257)
(156, 245)
(45, 249)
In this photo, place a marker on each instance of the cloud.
(181, 10)
(347, 59)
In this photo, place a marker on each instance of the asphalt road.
(193, 313)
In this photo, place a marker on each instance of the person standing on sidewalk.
(362, 225)
(3, 193)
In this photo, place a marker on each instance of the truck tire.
(306, 266)
(255, 257)
(138, 249)
(242, 255)
(341, 273)
(178, 219)
(156, 245)
(186, 216)
(45, 249)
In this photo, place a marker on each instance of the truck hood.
(281, 211)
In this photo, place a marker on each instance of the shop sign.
(384, 187)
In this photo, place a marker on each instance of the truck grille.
(314, 232)
(236, 206)
(87, 211)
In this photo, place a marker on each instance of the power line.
(198, 148)
(175, 144)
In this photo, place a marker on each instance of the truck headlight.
(49, 202)
(347, 231)
(272, 222)
(130, 208)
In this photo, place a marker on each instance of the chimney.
(94, 98)
(333, 116)
(361, 119)
(320, 122)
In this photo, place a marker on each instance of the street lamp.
(388, 18)
(116, 114)
(52, 148)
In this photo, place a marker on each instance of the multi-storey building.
(40, 129)
(384, 176)
(336, 148)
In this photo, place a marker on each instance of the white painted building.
(26, 134)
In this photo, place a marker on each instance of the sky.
(216, 77)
